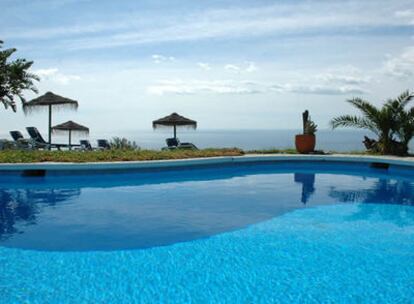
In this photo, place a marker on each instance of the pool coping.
(251, 158)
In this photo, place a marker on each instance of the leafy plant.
(123, 144)
(392, 123)
(6, 144)
(14, 78)
(309, 127)
(404, 128)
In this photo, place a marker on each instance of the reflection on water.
(383, 191)
(21, 206)
(308, 185)
(373, 198)
(128, 213)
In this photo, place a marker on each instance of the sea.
(326, 140)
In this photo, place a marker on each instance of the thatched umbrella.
(174, 120)
(50, 100)
(70, 126)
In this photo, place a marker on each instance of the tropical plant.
(392, 123)
(123, 144)
(309, 127)
(404, 129)
(14, 78)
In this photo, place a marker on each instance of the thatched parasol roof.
(174, 120)
(50, 99)
(71, 126)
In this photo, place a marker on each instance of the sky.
(227, 64)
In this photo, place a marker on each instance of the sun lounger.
(20, 141)
(39, 142)
(86, 145)
(174, 143)
(16, 135)
(187, 146)
(103, 144)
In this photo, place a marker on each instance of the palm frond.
(368, 110)
(405, 98)
(353, 122)
(14, 77)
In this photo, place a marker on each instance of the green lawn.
(18, 156)
(273, 151)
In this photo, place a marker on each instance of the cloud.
(160, 58)
(277, 19)
(317, 89)
(245, 87)
(401, 66)
(232, 67)
(46, 72)
(204, 66)
(62, 31)
(53, 74)
(346, 75)
(407, 15)
(204, 86)
(339, 80)
(344, 79)
(249, 67)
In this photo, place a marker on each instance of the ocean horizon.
(326, 140)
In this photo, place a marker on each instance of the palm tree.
(390, 122)
(405, 117)
(14, 78)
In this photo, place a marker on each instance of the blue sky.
(227, 64)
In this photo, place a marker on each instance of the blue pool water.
(281, 233)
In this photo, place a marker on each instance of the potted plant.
(305, 143)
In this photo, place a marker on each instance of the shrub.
(393, 124)
(123, 144)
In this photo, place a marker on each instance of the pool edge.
(390, 160)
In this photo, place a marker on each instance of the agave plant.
(392, 123)
(309, 126)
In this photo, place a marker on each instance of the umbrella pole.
(175, 132)
(70, 139)
(50, 126)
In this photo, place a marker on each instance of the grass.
(272, 151)
(18, 156)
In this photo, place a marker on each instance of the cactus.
(305, 117)
(309, 127)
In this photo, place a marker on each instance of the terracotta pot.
(305, 143)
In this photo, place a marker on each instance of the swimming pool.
(293, 231)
